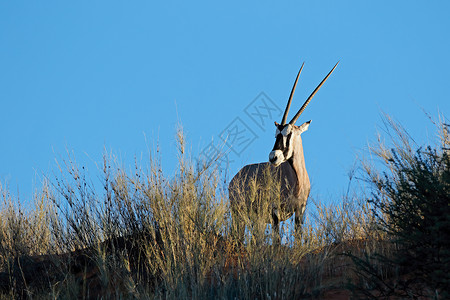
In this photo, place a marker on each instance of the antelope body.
(286, 166)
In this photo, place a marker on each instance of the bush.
(412, 204)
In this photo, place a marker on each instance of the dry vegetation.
(143, 235)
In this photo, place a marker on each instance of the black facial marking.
(280, 127)
(278, 142)
(288, 142)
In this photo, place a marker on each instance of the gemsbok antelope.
(287, 166)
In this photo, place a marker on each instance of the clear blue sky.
(89, 75)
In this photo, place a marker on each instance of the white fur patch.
(285, 132)
(278, 154)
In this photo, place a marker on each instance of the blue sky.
(120, 75)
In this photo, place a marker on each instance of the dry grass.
(146, 235)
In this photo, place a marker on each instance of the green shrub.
(412, 204)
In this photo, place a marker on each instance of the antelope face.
(286, 137)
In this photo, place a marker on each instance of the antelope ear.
(276, 124)
(304, 126)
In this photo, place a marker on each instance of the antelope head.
(287, 136)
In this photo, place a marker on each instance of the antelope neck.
(297, 163)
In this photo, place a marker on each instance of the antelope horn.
(286, 111)
(294, 119)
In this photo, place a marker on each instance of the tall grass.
(143, 234)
